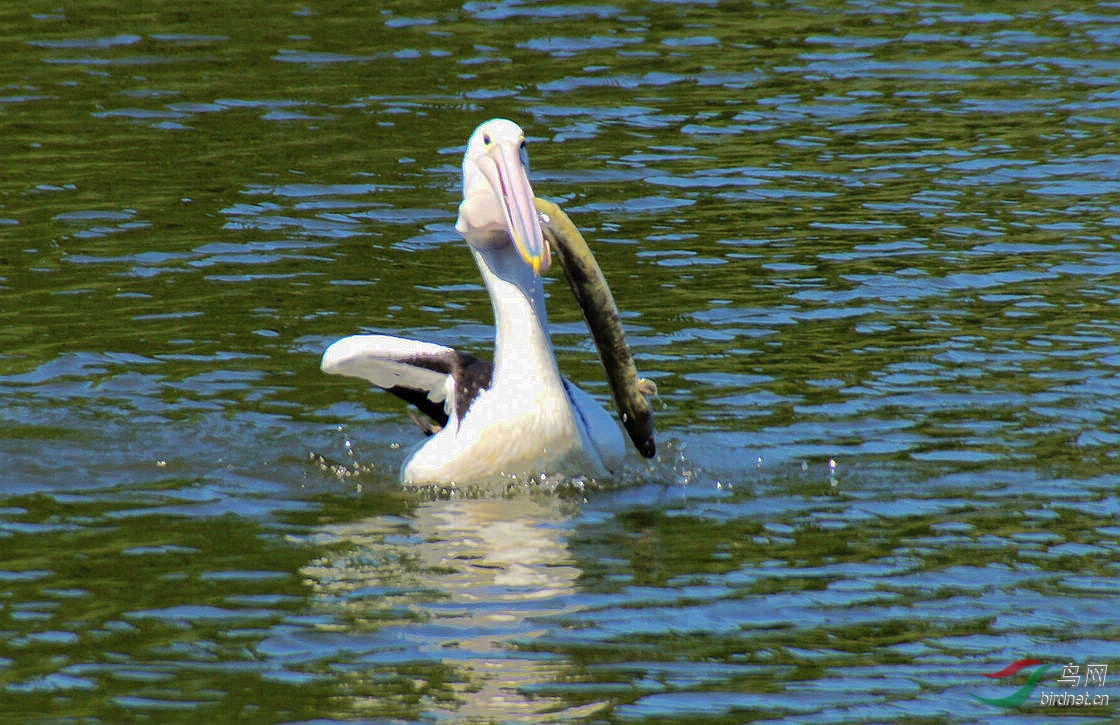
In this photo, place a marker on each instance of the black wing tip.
(419, 399)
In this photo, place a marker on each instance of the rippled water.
(868, 252)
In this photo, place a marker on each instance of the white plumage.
(517, 417)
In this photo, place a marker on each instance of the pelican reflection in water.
(454, 589)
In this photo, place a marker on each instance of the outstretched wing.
(440, 381)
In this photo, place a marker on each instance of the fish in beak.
(597, 304)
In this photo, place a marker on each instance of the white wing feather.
(390, 362)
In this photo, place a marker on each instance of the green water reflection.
(877, 235)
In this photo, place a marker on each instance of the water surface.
(868, 252)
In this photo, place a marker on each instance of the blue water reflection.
(868, 252)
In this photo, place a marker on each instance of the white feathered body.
(528, 419)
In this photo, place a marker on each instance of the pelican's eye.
(486, 139)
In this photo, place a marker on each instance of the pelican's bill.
(504, 169)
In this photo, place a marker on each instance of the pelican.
(518, 416)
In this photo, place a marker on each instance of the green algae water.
(867, 251)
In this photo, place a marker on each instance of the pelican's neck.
(522, 348)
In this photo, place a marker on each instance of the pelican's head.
(497, 206)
